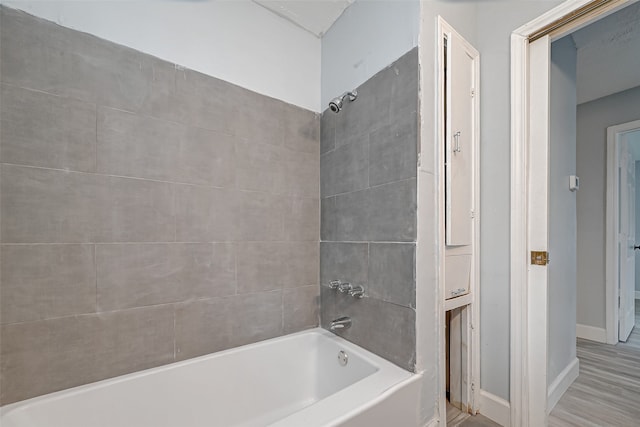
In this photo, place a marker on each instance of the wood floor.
(607, 391)
(456, 418)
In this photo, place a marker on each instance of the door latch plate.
(539, 257)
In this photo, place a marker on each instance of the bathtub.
(298, 380)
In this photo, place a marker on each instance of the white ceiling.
(609, 54)
(315, 16)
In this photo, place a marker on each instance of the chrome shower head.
(337, 103)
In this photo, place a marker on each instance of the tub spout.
(341, 323)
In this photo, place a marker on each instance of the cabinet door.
(458, 277)
(459, 152)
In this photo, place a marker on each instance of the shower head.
(337, 103)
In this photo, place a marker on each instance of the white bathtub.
(291, 381)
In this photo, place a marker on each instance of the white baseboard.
(637, 294)
(495, 408)
(562, 383)
(591, 333)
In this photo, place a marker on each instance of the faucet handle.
(334, 284)
(357, 291)
(345, 287)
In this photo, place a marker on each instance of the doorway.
(621, 231)
(530, 136)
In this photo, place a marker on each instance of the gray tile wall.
(148, 213)
(368, 168)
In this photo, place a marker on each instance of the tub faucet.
(345, 287)
(341, 323)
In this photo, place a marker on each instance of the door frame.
(612, 312)
(470, 303)
(529, 150)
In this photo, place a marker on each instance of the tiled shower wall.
(368, 221)
(148, 213)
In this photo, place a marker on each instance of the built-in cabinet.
(459, 207)
(460, 164)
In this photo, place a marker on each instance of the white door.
(460, 141)
(460, 163)
(626, 239)
(538, 231)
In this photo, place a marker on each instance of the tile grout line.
(235, 267)
(95, 246)
(145, 307)
(95, 266)
(369, 188)
(175, 213)
(148, 115)
(375, 242)
(158, 243)
(95, 146)
(174, 333)
(175, 183)
(368, 161)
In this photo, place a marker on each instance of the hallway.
(607, 391)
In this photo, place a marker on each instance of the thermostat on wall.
(574, 183)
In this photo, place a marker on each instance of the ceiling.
(608, 50)
(315, 16)
(609, 54)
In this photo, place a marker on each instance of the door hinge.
(539, 257)
(473, 92)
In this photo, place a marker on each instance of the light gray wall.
(147, 212)
(368, 216)
(637, 225)
(562, 209)
(367, 37)
(593, 118)
(495, 21)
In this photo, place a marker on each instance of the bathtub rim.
(385, 371)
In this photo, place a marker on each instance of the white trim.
(637, 294)
(434, 422)
(471, 322)
(519, 395)
(611, 230)
(591, 333)
(538, 228)
(439, 174)
(451, 303)
(562, 383)
(611, 238)
(521, 348)
(495, 408)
